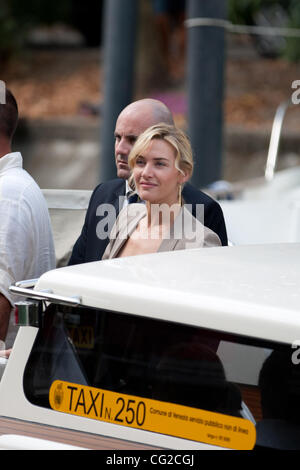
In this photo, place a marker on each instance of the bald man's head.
(154, 110)
(132, 121)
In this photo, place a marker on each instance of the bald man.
(132, 121)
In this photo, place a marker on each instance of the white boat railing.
(275, 139)
(67, 209)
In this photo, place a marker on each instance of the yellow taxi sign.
(153, 415)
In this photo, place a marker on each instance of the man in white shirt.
(26, 241)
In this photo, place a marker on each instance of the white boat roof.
(250, 290)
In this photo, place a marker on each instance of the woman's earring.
(179, 195)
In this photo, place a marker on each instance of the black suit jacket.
(89, 247)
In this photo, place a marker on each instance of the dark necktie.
(133, 198)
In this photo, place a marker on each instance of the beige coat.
(187, 232)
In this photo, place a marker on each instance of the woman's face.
(156, 177)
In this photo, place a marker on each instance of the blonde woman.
(161, 162)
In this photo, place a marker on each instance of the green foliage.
(292, 50)
(10, 33)
(242, 11)
(16, 17)
(41, 11)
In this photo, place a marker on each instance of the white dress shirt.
(26, 241)
(128, 192)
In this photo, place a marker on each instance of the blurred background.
(53, 58)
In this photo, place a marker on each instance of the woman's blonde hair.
(175, 137)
